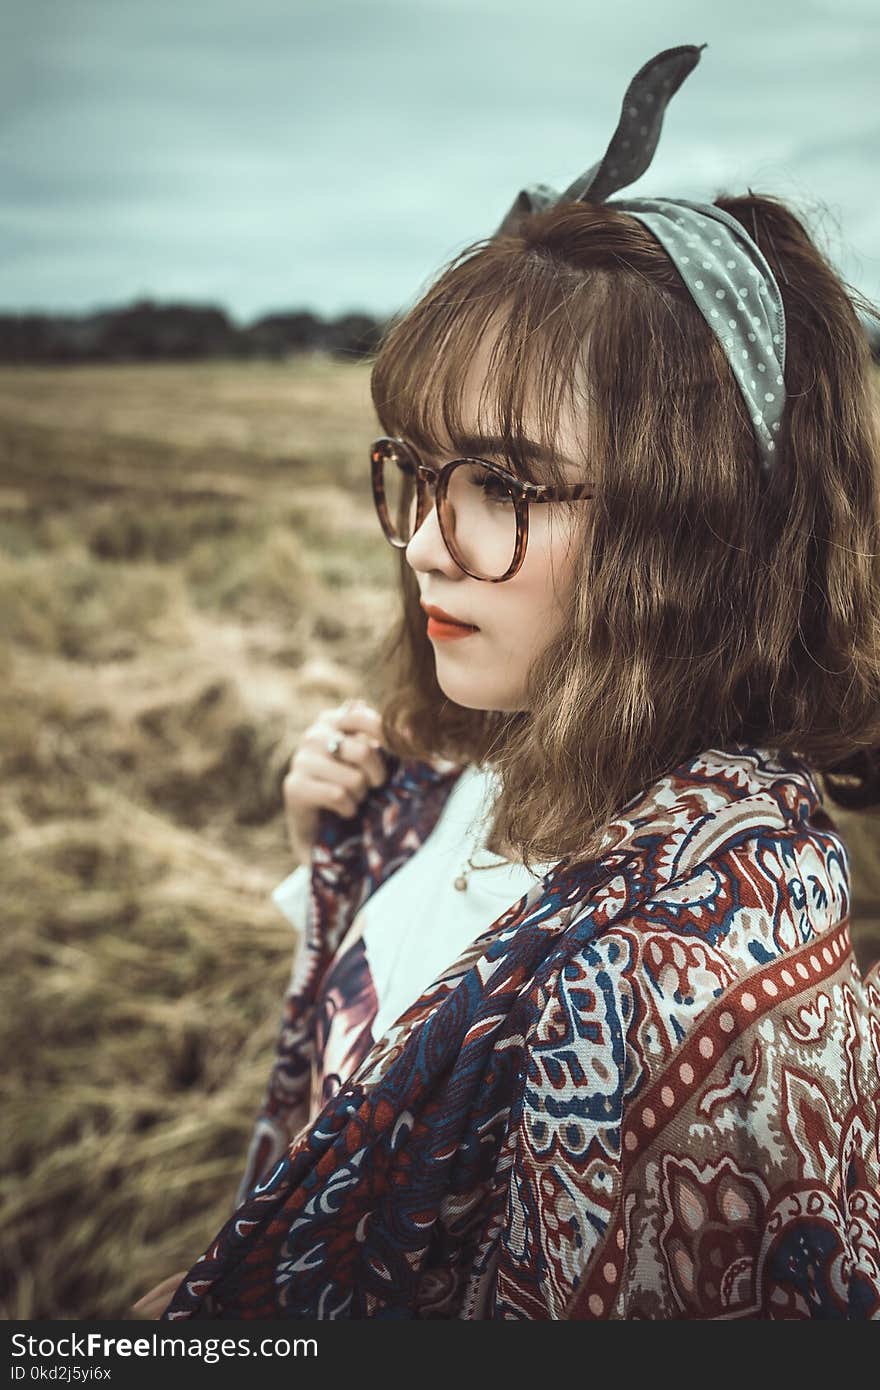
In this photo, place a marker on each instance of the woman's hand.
(317, 780)
(154, 1303)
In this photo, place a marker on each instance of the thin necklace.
(461, 879)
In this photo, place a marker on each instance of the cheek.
(553, 559)
(538, 593)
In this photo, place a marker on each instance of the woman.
(636, 1073)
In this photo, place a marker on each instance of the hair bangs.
(488, 363)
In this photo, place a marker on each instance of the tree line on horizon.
(150, 331)
(146, 331)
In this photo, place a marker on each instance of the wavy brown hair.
(707, 607)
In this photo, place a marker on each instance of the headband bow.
(724, 270)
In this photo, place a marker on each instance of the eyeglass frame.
(428, 478)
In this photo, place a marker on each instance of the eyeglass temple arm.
(545, 492)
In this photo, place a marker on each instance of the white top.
(411, 929)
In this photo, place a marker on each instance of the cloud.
(331, 155)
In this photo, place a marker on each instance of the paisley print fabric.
(415, 924)
(347, 1007)
(650, 1089)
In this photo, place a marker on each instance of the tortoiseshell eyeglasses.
(482, 509)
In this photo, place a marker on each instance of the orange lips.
(448, 632)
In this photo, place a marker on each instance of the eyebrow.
(496, 444)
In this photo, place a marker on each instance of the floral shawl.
(650, 1089)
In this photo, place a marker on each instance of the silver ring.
(334, 743)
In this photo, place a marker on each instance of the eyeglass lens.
(477, 518)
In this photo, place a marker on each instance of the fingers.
(338, 781)
(357, 762)
(304, 794)
(356, 716)
(154, 1303)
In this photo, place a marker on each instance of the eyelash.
(502, 500)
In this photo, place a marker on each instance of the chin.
(470, 698)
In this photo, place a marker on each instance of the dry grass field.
(190, 569)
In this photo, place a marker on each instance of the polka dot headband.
(724, 270)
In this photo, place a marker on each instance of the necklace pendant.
(461, 882)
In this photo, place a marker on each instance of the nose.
(426, 549)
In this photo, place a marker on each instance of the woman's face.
(517, 619)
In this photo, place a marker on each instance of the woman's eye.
(494, 488)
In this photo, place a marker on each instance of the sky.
(333, 155)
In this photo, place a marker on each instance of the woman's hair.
(706, 606)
